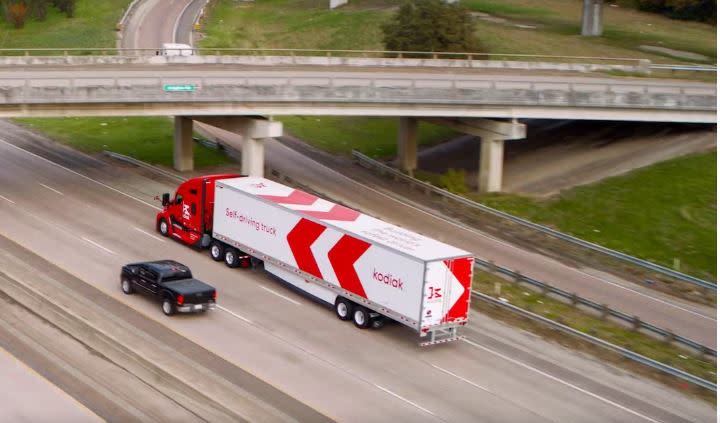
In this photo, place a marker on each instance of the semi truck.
(368, 269)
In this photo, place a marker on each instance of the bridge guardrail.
(664, 368)
(491, 267)
(367, 161)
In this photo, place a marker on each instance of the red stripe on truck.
(343, 257)
(462, 270)
(300, 239)
(337, 212)
(296, 197)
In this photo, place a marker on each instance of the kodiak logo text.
(388, 279)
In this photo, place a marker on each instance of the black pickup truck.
(170, 282)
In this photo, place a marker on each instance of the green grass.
(93, 26)
(375, 137)
(663, 212)
(309, 24)
(148, 139)
(567, 314)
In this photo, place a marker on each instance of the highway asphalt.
(89, 218)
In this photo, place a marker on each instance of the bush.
(695, 10)
(454, 181)
(430, 25)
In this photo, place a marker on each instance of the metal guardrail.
(363, 159)
(604, 309)
(693, 68)
(664, 368)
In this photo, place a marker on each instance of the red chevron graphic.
(337, 212)
(300, 239)
(462, 270)
(296, 197)
(343, 257)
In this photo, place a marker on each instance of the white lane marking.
(7, 199)
(98, 245)
(149, 234)
(461, 378)
(501, 242)
(51, 189)
(79, 174)
(244, 319)
(406, 400)
(280, 295)
(568, 384)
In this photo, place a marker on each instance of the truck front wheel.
(231, 257)
(163, 227)
(168, 307)
(343, 308)
(361, 317)
(217, 250)
(126, 286)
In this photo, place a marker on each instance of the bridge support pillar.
(493, 134)
(183, 144)
(491, 164)
(592, 18)
(407, 144)
(253, 157)
(252, 131)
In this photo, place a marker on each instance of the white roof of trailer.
(345, 219)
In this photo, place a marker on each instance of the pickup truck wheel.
(343, 308)
(168, 307)
(361, 317)
(231, 257)
(217, 251)
(126, 287)
(163, 227)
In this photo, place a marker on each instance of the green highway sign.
(178, 87)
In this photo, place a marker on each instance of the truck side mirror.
(165, 199)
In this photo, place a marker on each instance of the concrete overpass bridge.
(229, 93)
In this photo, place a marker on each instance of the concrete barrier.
(642, 67)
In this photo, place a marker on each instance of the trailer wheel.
(217, 250)
(163, 227)
(231, 257)
(126, 286)
(168, 307)
(361, 317)
(343, 308)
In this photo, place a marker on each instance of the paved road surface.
(29, 397)
(90, 225)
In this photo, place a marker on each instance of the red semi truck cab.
(188, 215)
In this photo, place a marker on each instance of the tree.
(65, 6)
(430, 25)
(16, 12)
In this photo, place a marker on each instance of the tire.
(343, 309)
(126, 286)
(163, 227)
(217, 251)
(168, 307)
(231, 257)
(361, 317)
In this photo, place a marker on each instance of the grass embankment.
(92, 26)
(375, 137)
(588, 323)
(554, 28)
(663, 213)
(148, 139)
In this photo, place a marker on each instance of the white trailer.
(365, 267)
